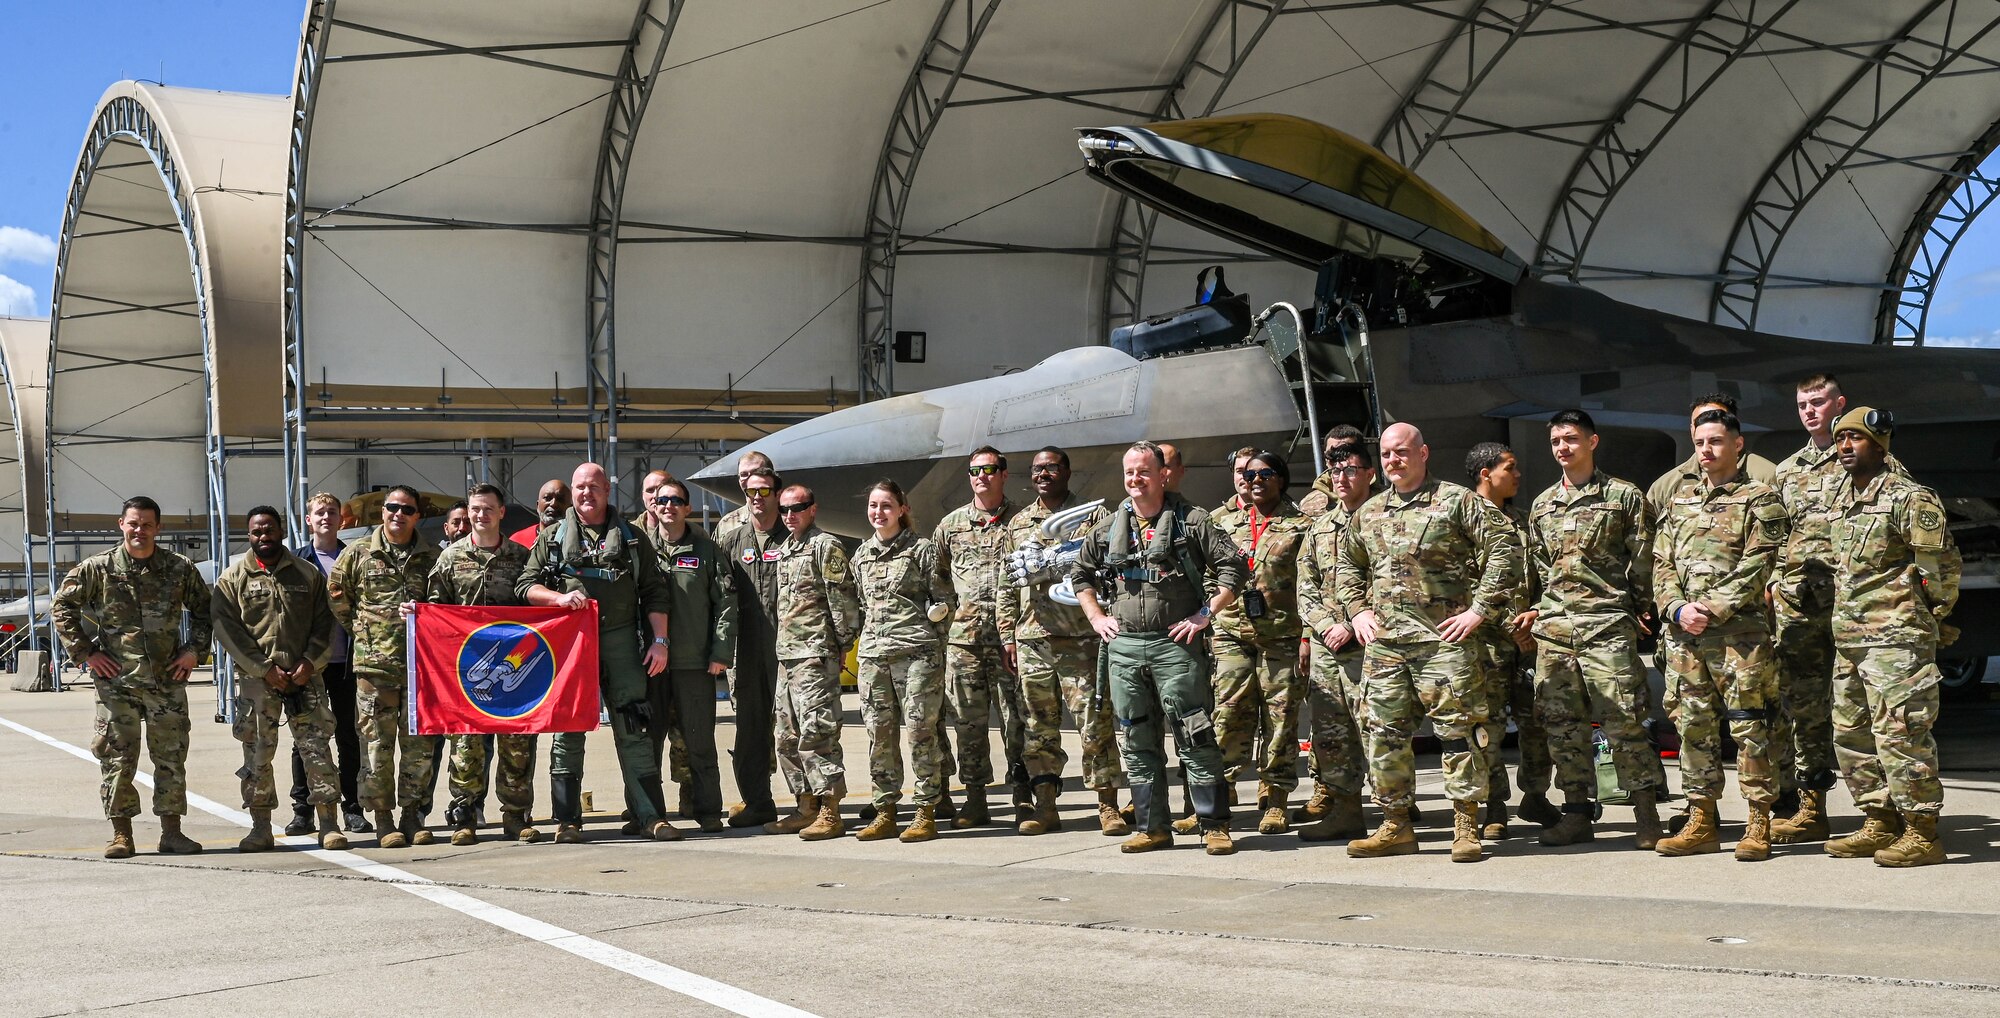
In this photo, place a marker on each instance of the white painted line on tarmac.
(638, 966)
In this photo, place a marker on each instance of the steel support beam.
(1233, 29)
(638, 69)
(939, 65)
(1957, 199)
(1707, 46)
(305, 92)
(500, 53)
(1442, 88)
(1869, 98)
(126, 120)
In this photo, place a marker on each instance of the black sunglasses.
(1046, 468)
(669, 500)
(984, 469)
(399, 508)
(1259, 474)
(796, 507)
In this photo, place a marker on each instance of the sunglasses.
(399, 508)
(1046, 468)
(669, 500)
(796, 507)
(984, 470)
(757, 492)
(1259, 474)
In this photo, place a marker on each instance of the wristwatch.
(1204, 612)
(659, 641)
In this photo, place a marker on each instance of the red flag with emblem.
(502, 670)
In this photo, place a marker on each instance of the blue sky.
(251, 45)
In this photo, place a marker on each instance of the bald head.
(1174, 469)
(1405, 457)
(590, 490)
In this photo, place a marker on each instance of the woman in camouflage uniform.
(900, 659)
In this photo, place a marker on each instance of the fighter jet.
(1419, 314)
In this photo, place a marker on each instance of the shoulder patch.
(1315, 503)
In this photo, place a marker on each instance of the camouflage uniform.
(818, 617)
(1339, 760)
(1717, 547)
(1660, 494)
(1055, 653)
(1146, 586)
(468, 574)
(1890, 590)
(269, 617)
(702, 631)
(900, 658)
(1802, 603)
(614, 563)
(367, 587)
(1415, 560)
(135, 606)
(970, 544)
(1510, 690)
(1591, 550)
(1257, 660)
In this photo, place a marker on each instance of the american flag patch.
(687, 562)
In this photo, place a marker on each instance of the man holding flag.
(590, 554)
(484, 571)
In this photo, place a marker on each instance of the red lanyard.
(1256, 534)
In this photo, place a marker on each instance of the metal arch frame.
(1130, 247)
(1795, 177)
(623, 117)
(926, 94)
(27, 531)
(126, 118)
(1957, 199)
(305, 93)
(1413, 145)
(1611, 159)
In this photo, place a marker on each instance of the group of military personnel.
(1797, 609)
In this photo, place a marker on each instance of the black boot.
(303, 822)
(1149, 807)
(1024, 793)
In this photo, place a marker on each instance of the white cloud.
(1990, 339)
(16, 298)
(19, 245)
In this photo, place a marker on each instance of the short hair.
(671, 482)
(483, 488)
(1344, 434)
(456, 506)
(754, 454)
(322, 496)
(415, 495)
(1150, 448)
(1353, 451)
(1247, 452)
(1483, 457)
(987, 450)
(1057, 451)
(1819, 380)
(1721, 399)
(1275, 462)
(764, 472)
(1573, 418)
(1722, 417)
(265, 510)
(143, 504)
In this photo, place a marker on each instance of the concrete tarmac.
(981, 921)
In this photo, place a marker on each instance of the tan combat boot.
(569, 834)
(1215, 840)
(1342, 819)
(330, 837)
(801, 818)
(1755, 845)
(883, 826)
(1574, 827)
(173, 842)
(120, 845)
(1646, 819)
(1881, 829)
(1110, 821)
(828, 824)
(1277, 820)
(413, 827)
(1495, 827)
(1044, 818)
(1394, 837)
(466, 834)
(1190, 824)
(1699, 837)
(386, 834)
(1808, 824)
(923, 826)
(1465, 831)
(1537, 809)
(974, 813)
(1146, 841)
(1919, 845)
(259, 839)
(515, 827)
(1315, 807)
